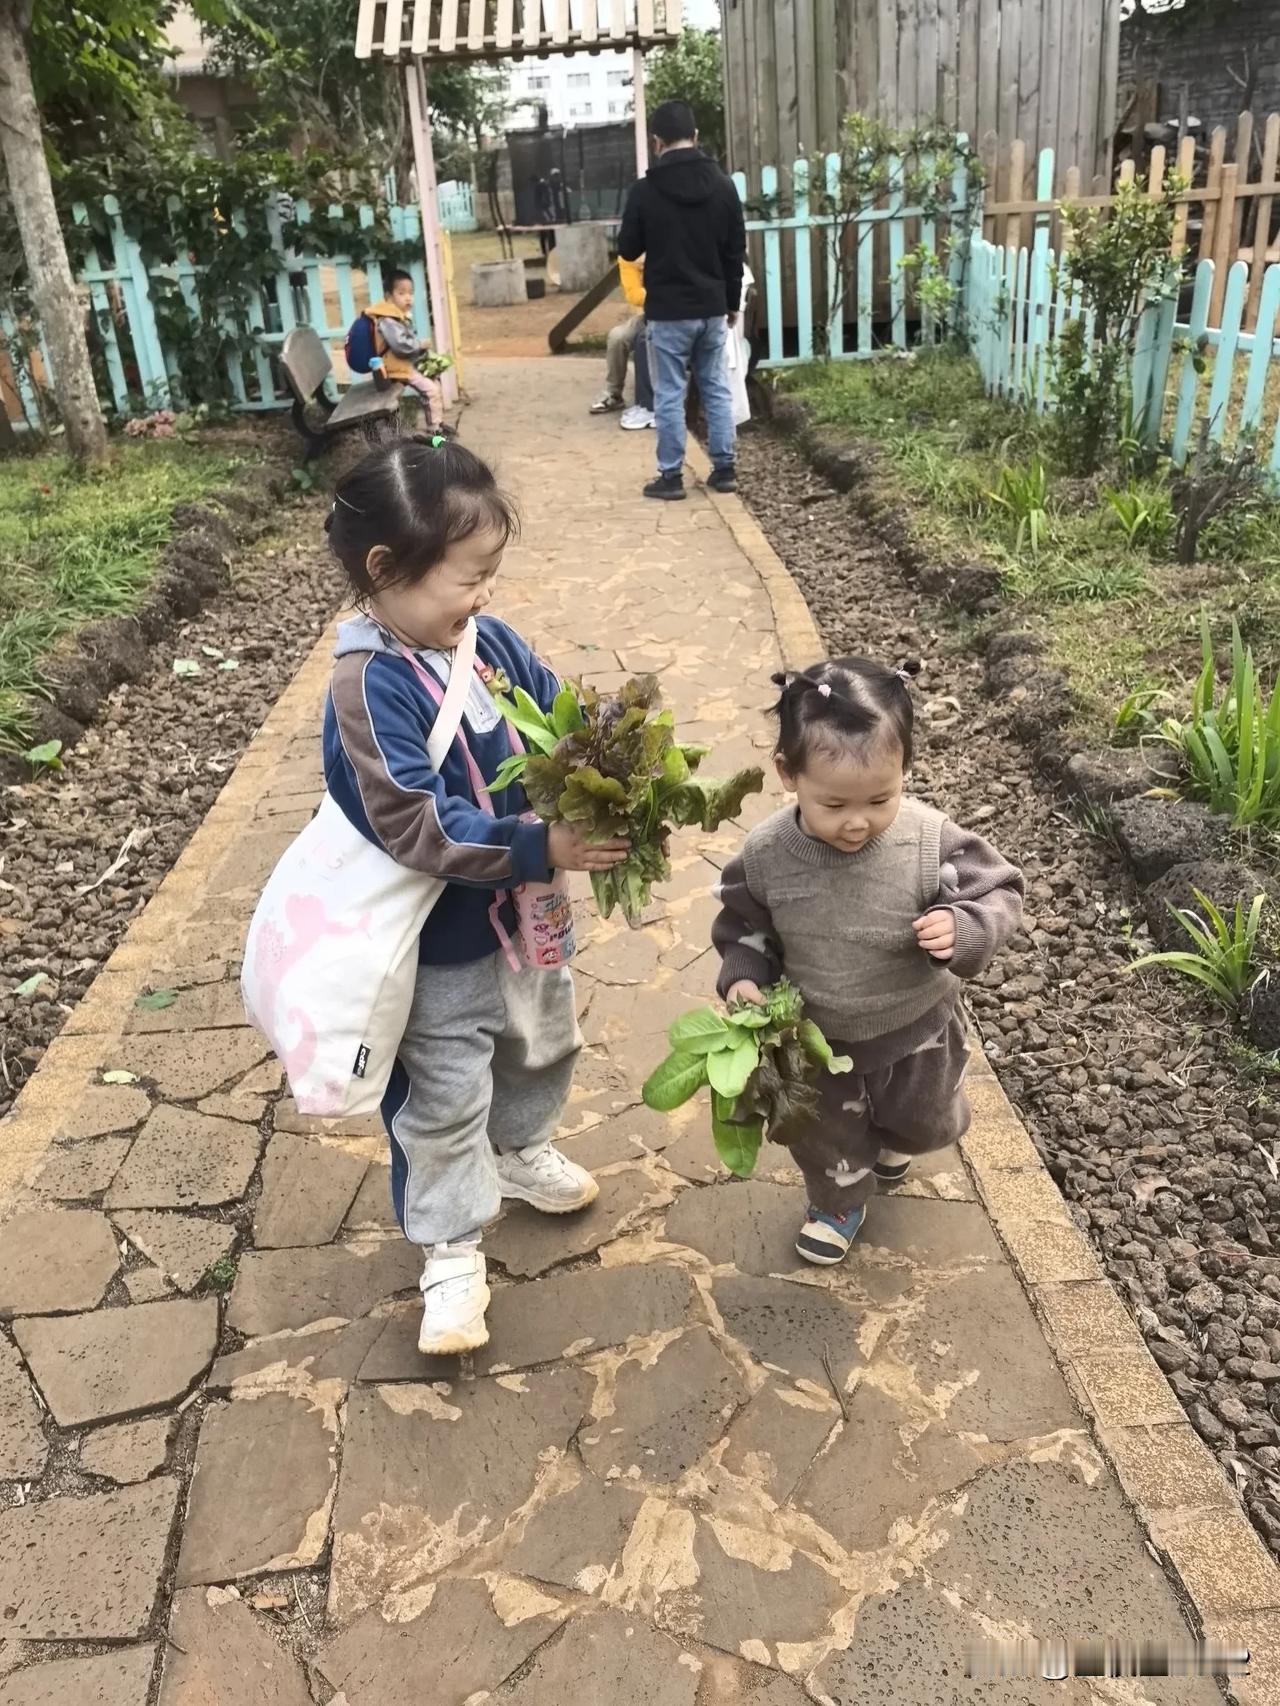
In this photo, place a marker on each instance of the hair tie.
(824, 689)
(436, 440)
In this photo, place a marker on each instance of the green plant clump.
(761, 1064)
(613, 766)
(1222, 952)
(1231, 751)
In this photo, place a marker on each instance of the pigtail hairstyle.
(847, 703)
(413, 499)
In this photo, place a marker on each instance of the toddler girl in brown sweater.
(875, 906)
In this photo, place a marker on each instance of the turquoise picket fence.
(457, 207)
(303, 288)
(1185, 371)
(831, 282)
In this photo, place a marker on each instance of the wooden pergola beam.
(444, 32)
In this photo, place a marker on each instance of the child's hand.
(569, 850)
(745, 990)
(936, 933)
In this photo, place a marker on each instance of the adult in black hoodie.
(685, 218)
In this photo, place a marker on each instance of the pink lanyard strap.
(479, 787)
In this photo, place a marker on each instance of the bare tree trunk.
(52, 287)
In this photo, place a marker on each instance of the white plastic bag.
(737, 357)
(332, 952)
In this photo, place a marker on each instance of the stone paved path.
(689, 1471)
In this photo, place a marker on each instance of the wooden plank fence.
(1226, 215)
(324, 292)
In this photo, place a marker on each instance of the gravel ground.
(82, 851)
(1162, 1144)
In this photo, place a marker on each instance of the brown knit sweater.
(839, 924)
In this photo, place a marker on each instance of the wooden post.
(1223, 246)
(641, 113)
(1262, 220)
(425, 169)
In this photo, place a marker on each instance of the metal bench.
(306, 365)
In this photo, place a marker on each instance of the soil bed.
(1160, 1139)
(144, 774)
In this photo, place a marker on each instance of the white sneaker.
(635, 419)
(454, 1298)
(608, 404)
(546, 1179)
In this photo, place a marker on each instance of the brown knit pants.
(911, 1107)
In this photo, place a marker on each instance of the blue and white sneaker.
(825, 1238)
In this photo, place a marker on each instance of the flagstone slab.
(331, 1353)
(114, 1362)
(73, 1172)
(790, 1326)
(193, 1064)
(129, 1451)
(750, 1591)
(147, 1285)
(23, 1448)
(583, 1311)
(576, 1540)
(107, 1679)
(1017, 1396)
(85, 1569)
(221, 1655)
(778, 1435)
(462, 1641)
(526, 1242)
(264, 1478)
(55, 1259)
(748, 1225)
(207, 1006)
(371, 1210)
(611, 1656)
(307, 1188)
(430, 1472)
(182, 1159)
(276, 1289)
(104, 1109)
(870, 1477)
(667, 1413)
(183, 1246)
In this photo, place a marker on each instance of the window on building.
(580, 109)
(617, 109)
(619, 79)
(578, 80)
(539, 83)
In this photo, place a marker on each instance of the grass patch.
(1092, 570)
(75, 547)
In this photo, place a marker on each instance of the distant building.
(218, 104)
(583, 88)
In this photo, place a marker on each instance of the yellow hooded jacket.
(396, 344)
(631, 274)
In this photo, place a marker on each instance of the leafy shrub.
(1144, 514)
(1024, 493)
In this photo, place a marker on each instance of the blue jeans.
(640, 361)
(676, 346)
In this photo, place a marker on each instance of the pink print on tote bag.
(544, 911)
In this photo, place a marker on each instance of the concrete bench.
(306, 365)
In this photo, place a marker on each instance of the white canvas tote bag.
(332, 952)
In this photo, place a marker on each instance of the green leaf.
(212, 651)
(672, 1084)
(156, 1000)
(524, 713)
(748, 1017)
(47, 753)
(510, 770)
(839, 1064)
(29, 985)
(604, 889)
(815, 1045)
(736, 1145)
(119, 1076)
(229, 663)
(185, 666)
(700, 1031)
(566, 713)
(729, 1069)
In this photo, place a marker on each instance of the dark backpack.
(361, 348)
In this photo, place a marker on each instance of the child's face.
(402, 294)
(849, 800)
(435, 610)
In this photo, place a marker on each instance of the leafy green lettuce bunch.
(612, 764)
(761, 1064)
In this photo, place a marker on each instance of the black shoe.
(669, 487)
(723, 479)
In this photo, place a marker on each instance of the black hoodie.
(685, 218)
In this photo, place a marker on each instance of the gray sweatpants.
(485, 1064)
